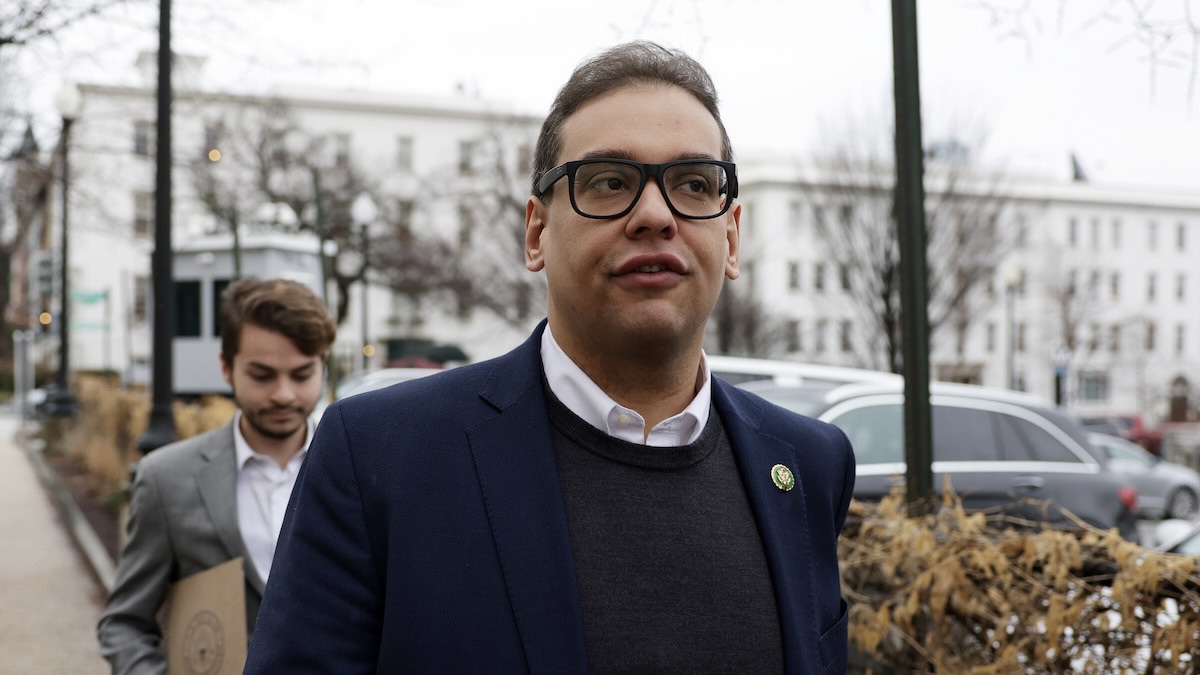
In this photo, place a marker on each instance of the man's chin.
(278, 432)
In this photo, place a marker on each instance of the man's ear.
(733, 234)
(535, 226)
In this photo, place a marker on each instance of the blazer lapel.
(217, 482)
(514, 459)
(782, 523)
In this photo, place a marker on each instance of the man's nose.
(651, 215)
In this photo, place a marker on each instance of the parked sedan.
(1165, 489)
(997, 448)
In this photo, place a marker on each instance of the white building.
(423, 153)
(1112, 272)
(1130, 258)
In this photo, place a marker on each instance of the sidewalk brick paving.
(49, 600)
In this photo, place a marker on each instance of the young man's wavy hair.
(639, 62)
(280, 305)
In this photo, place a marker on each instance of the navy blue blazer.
(427, 532)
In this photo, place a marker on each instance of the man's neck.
(279, 450)
(656, 385)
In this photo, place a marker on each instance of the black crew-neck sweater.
(672, 573)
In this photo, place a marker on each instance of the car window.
(876, 433)
(963, 435)
(1122, 452)
(1025, 441)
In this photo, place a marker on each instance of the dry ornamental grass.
(980, 594)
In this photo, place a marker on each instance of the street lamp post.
(364, 212)
(62, 404)
(1013, 276)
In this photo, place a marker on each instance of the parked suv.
(996, 446)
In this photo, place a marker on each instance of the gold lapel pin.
(782, 477)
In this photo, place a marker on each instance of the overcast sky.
(1043, 85)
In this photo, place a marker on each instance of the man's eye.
(261, 378)
(604, 183)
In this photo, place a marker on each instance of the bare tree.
(741, 325)
(479, 262)
(25, 21)
(857, 225)
(1165, 35)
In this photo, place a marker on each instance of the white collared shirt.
(263, 490)
(585, 398)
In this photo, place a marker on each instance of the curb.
(85, 538)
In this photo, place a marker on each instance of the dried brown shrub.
(952, 592)
(112, 419)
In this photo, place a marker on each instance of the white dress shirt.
(585, 398)
(263, 490)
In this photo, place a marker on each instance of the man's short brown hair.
(638, 62)
(280, 305)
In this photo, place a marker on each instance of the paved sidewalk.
(49, 598)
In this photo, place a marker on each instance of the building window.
(187, 309)
(341, 150)
(844, 336)
(794, 275)
(791, 335)
(1069, 286)
(819, 277)
(404, 213)
(818, 218)
(1094, 284)
(1180, 335)
(465, 224)
(1094, 337)
(1073, 232)
(1181, 237)
(846, 215)
(1022, 227)
(1095, 233)
(1021, 337)
(143, 138)
(819, 336)
(844, 274)
(1093, 387)
(1150, 290)
(404, 153)
(794, 216)
(1114, 338)
(1150, 336)
(524, 160)
(1181, 287)
(143, 213)
(1116, 234)
(466, 157)
(218, 289)
(990, 338)
(1114, 286)
(141, 299)
(1151, 235)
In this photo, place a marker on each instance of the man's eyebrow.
(626, 155)
(264, 367)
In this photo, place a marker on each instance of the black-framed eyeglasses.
(696, 189)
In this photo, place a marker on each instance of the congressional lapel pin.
(782, 477)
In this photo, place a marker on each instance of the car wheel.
(1182, 504)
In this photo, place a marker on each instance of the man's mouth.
(651, 268)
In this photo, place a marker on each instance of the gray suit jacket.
(182, 520)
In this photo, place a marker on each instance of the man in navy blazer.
(593, 501)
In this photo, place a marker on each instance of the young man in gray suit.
(211, 498)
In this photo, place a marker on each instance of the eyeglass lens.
(603, 189)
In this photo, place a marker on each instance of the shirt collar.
(586, 399)
(245, 453)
